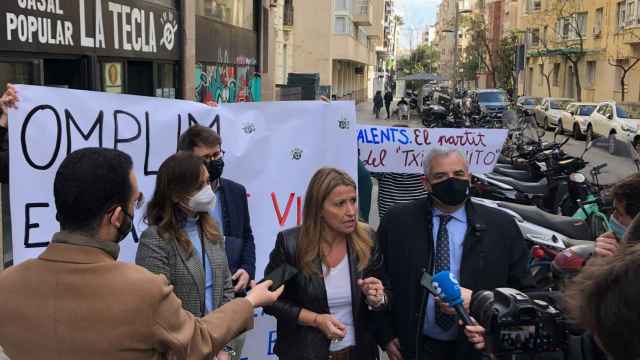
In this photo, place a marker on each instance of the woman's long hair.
(314, 231)
(179, 177)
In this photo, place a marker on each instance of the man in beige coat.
(77, 302)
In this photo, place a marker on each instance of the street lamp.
(455, 31)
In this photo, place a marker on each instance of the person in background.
(182, 241)
(626, 203)
(365, 187)
(398, 188)
(446, 231)
(327, 308)
(8, 100)
(231, 211)
(378, 103)
(388, 99)
(76, 301)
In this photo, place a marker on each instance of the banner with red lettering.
(402, 150)
(273, 149)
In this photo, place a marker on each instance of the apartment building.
(582, 49)
(339, 39)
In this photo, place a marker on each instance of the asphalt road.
(618, 167)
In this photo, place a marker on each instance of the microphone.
(448, 290)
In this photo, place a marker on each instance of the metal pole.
(455, 49)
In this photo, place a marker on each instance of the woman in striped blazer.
(180, 228)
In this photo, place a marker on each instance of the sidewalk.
(365, 116)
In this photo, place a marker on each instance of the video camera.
(518, 324)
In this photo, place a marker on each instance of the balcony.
(363, 13)
(287, 19)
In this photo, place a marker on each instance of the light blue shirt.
(216, 213)
(457, 229)
(193, 232)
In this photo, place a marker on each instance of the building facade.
(338, 39)
(200, 50)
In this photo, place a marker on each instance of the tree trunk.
(548, 85)
(576, 71)
(624, 75)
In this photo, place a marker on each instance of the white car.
(550, 110)
(617, 121)
(576, 119)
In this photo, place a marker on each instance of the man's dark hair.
(198, 135)
(88, 183)
(626, 192)
(604, 299)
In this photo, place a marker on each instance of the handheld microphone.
(448, 290)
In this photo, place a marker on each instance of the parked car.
(576, 119)
(549, 111)
(492, 102)
(617, 121)
(526, 105)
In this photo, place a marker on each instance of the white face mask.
(204, 200)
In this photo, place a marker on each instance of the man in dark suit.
(445, 231)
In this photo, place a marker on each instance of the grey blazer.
(186, 274)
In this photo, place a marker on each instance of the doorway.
(139, 78)
(66, 73)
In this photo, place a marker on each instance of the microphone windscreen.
(448, 287)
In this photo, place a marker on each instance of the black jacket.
(4, 155)
(239, 243)
(299, 342)
(494, 255)
(388, 98)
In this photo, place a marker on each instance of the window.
(581, 25)
(343, 5)
(591, 73)
(621, 12)
(630, 18)
(597, 23)
(234, 12)
(343, 25)
(556, 74)
(535, 37)
(534, 5)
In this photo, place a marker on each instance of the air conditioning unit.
(597, 30)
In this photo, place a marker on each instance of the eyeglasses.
(216, 156)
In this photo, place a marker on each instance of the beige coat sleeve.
(182, 336)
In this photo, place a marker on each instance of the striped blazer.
(163, 256)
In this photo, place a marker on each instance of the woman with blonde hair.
(183, 241)
(325, 311)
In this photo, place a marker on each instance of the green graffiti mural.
(227, 83)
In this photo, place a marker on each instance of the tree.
(566, 19)
(506, 63)
(422, 59)
(479, 44)
(624, 70)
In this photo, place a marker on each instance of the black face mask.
(215, 168)
(126, 226)
(452, 191)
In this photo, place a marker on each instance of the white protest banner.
(401, 150)
(271, 148)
